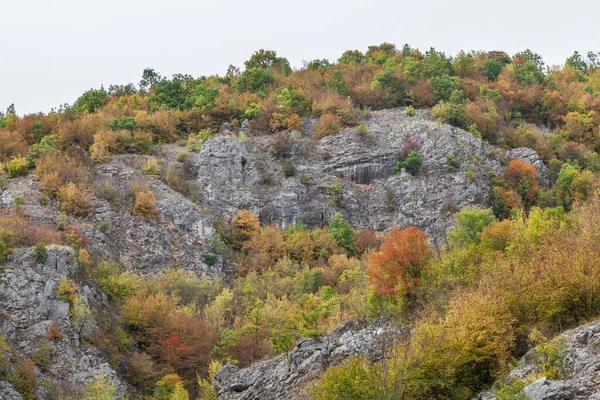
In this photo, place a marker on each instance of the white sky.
(54, 50)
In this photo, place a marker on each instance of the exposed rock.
(179, 236)
(530, 156)
(229, 173)
(580, 372)
(284, 377)
(30, 304)
(7, 392)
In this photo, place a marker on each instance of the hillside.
(393, 225)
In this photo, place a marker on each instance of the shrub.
(328, 124)
(152, 168)
(145, 204)
(288, 169)
(170, 388)
(53, 333)
(74, 199)
(362, 129)
(40, 253)
(195, 142)
(104, 226)
(183, 156)
(351, 381)
(452, 162)
(107, 192)
(281, 145)
(210, 259)
(410, 111)
(409, 146)
(23, 380)
(18, 166)
(411, 164)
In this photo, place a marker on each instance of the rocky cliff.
(346, 172)
(576, 369)
(234, 175)
(287, 376)
(38, 324)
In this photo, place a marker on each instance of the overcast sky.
(54, 50)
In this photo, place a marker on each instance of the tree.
(411, 164)
(91, 100)
(469, 223)
(99, 389)
(342, 231)
(400, 261)
(268, 60)
(491, 69)
(522, 177)
(243, 227)
(149, 78)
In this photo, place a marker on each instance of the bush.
(411, 164)
(152, 168)
(183, 156)
(104, 226)
(410, 111)
(362, 129)
(195, 142)
(210, 259)
(74, 199)
(281, 145)
(40, 253)
(145, 204)
(288, 169)
(452, 162)
(18, 166)
(342, 231)
(328, 124)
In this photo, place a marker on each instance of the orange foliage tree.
(243, 227)
(400, 261)
(523, 178)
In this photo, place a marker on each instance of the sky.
(54, 50)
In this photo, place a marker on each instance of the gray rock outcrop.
(579, 372)
(234, 175)
(30, 305)
(7, 392)
(286, 377)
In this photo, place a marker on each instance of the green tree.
(351, 381)
(342, 231)
(411, 164)
(469, 223)
(91, 100)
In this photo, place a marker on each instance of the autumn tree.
(402, 258)
(522, 177)
(243, 227)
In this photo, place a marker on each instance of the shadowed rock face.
(579, 374)
(230, 171)
(285, 378)
(30, 304)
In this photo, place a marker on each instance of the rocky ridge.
(286, 377)
(578, 372)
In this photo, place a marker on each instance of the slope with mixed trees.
(205, 221)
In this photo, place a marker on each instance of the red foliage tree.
(400, 261)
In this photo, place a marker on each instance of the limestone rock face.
(234, 175)
(580, 371)
(30, 306)
(179, 235)
(7, 392)
(285, 377)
